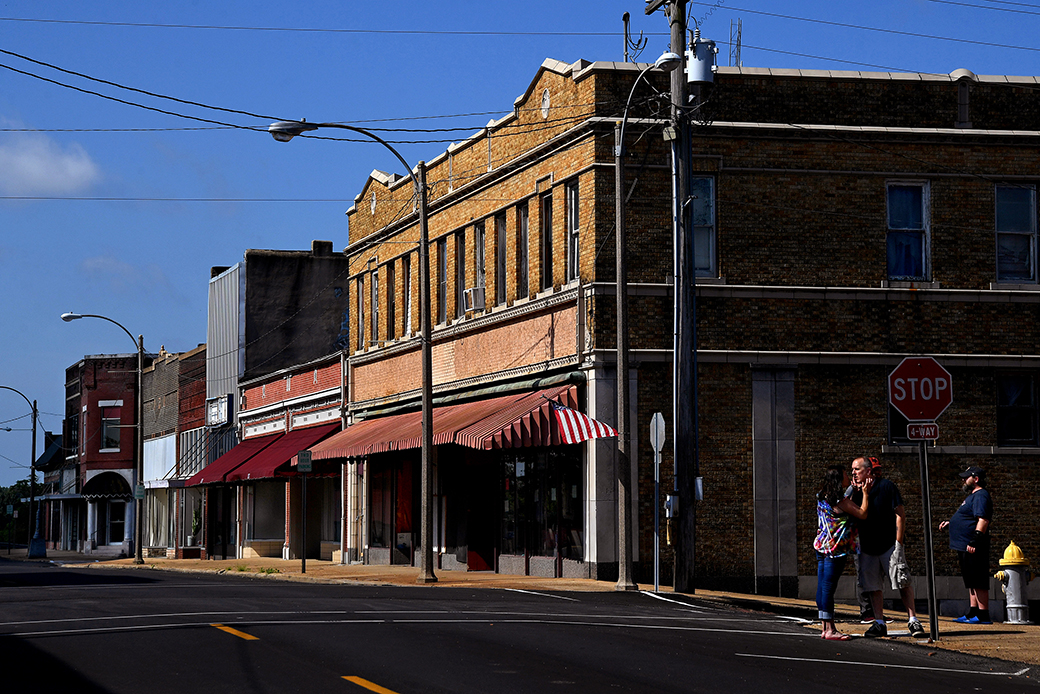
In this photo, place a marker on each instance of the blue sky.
(111, 209)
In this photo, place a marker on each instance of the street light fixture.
(139, 425)
(667, 62)
(283, 131)
(35, 549)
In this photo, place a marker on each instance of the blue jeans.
(828, 571)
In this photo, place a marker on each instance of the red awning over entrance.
(218, 470)
(511, 421)
(266, 463)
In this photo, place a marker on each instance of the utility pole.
(684, 381)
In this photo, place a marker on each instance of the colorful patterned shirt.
(837, 534)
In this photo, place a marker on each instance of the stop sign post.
(920, 389)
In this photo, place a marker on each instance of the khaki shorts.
(877, 569)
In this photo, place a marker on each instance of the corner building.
(841, 222)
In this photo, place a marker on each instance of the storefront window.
(541, 503)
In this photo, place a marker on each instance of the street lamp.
(139, 425)
(667, 62)
(36, 547)
(283, 131)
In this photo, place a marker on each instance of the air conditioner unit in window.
(474, 299)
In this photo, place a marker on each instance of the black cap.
(973, 471)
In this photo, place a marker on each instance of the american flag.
(576, 427)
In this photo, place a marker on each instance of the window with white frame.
(702, 206)
(110, 419)
(907, 204)
(573, 228)
(1016, 233)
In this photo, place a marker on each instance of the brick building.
(99, 436)
(272, 389)
(842, 222)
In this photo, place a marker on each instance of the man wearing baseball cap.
(969, 537)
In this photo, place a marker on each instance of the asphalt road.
(67, 630)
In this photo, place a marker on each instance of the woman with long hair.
(836, 539)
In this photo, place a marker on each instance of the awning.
(107, 485)
(220, 468)
(266, 463)
(512, 421)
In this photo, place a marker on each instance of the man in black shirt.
(881, 553)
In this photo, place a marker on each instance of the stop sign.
(920, 389)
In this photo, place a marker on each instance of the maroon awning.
(266, 463)
(219, 469)
(511, 421)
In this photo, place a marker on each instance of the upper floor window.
(573, 228)
(703, 206)
(907, 231)
(1016, 233)
(523, 252)
(500, 258)
(391, 301)
(460, 274)
(442, 280)
(375, 307)
(360, 313)
(479, 238)
(406, 291)
(1016, 410)
(547, 241)
(110, 418)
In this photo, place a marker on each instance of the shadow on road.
(50, 673)
(18, 575)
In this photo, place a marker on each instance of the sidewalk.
(1013, 642)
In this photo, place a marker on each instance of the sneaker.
(963, 619)
(978, 620)
(916, 629)
(876, 630)
(866, 619)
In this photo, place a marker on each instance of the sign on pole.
(303, 461)
(920, 389)
(657, 442)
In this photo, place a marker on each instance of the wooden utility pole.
(429, 453)
(684, 364)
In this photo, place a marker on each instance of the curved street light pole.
(139, 425)
(33, 550)
(283, 131)
(667, 62)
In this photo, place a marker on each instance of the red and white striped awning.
(511, 421)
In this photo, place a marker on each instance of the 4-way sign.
(920, 389)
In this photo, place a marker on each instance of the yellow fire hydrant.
(1014, 581)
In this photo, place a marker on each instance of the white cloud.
(37, 165)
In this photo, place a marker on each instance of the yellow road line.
(371, 686)
(236, 632)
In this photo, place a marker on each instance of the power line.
(984, 7)
(860, 27)
(317, 30)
